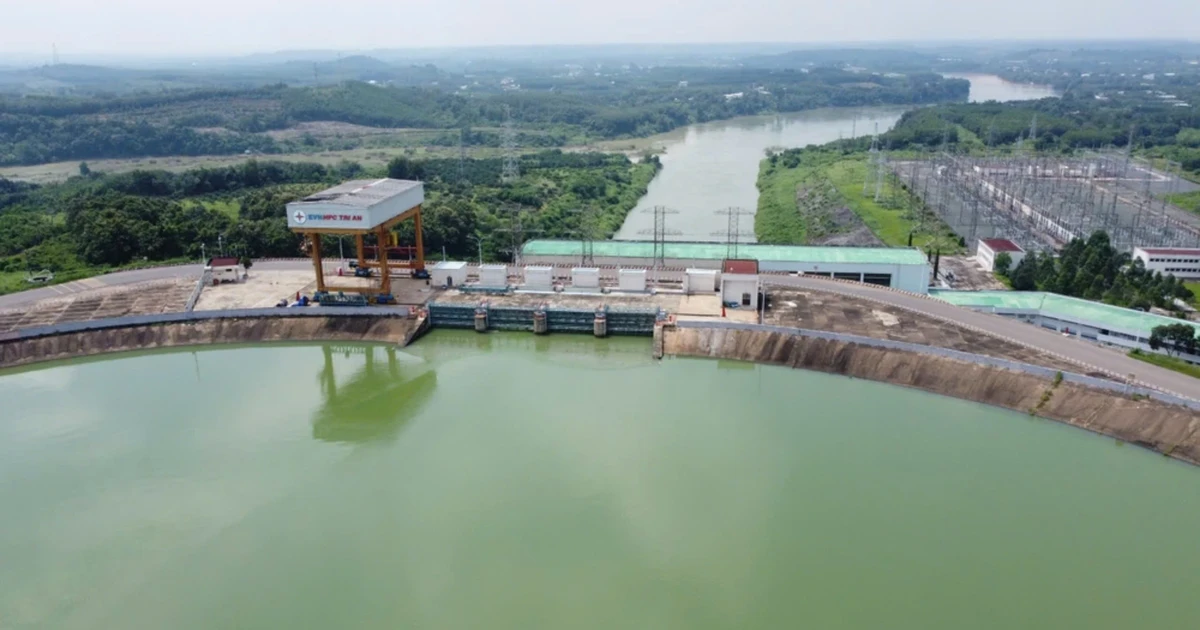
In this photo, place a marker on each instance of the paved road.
(1074, 349)
(1077, 350)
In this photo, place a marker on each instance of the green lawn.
(1194, 287)
(1171, 363)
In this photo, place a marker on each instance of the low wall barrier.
(1049, 373)
(195, 316)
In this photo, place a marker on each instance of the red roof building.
(748, 267)
(998, 245)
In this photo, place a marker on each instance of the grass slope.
(1171, 363)
(891, 219)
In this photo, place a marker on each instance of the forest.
(36, 130)
(95, 222)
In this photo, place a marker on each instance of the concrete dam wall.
(1168, 429)
(64, 345)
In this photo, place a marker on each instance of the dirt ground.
(844, 314)
(964, 273)
(264, 289)
(159, 296)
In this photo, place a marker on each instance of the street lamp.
(479, 244)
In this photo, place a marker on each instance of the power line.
(511, 172)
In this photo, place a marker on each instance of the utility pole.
(221, 243)
(478, 243)
(587, 235)
(518, 231)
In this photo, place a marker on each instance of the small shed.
(988, 248)
(449, 273)
(585, 277)
(700, 281)
(539, 278)
(493, 276)
(632, 280)
(227, 269)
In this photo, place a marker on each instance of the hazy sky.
(228, 27)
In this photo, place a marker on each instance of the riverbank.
(1171, 430)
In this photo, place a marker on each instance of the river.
(513, 481)
(711, 167)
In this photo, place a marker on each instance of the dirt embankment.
(1168, 429)
(235, 330)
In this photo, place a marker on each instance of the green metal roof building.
(905, 268)
(1084, 318)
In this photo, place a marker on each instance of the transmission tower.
(511, 172)
(462, 157)
(517, 230)
(587, 235)
(733, 232)
(54, 53)
(660, 232)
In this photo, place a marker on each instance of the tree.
(1024, 277)
(1003, 264)
(84, 170)
(1174, 338)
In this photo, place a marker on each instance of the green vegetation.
(892, 219)
(1174, 338)
(1171, 363)
(550, 111)
(1188, 201)
(91, 224)
(1094, 270)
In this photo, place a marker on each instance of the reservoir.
(513, 481)
(713, 166)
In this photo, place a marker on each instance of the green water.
(508, 481)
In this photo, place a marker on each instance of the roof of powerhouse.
(1062, 307)
(361, 193)
(719, 251)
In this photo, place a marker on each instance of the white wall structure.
(539, 278)
(448, 273)
(700, 281)
(897, 267)
(493, 276)
(741, 289)
(585, 277)
(1179, 262)
(986, 250)
(633, 280)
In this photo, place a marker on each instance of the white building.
(903, 268)
(1094, 321)
(448, 273)
(539, 278)
(740, 284)
(632, 280)
(585, 277)
(493, 276)
(228, 269)
(700, 281)
(987, 249)
(1177, 261)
